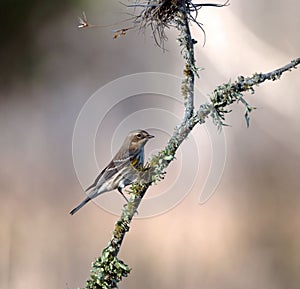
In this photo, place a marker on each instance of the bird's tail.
(80, 205)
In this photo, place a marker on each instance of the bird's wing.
(95, 182)
(112, 168)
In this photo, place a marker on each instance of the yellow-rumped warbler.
(122, 170)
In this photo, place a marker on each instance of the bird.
(122, 170)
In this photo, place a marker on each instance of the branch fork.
(108, 270)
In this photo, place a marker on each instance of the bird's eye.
(138, 135)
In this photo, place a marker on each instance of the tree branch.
(228, 93)
(187, 45)
(108, 270)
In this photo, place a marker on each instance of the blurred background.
(245, 236)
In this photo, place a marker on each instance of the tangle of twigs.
(160, 15)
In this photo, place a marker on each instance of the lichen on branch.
(226, 94)
(107, 271)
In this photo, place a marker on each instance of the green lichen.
(107, 271)
(224, 95)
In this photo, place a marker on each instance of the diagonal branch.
(226, 94)
(107, 271)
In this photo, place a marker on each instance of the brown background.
(245, 236)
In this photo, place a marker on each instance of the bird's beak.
(150, 136)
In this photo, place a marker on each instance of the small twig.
(228, 93)
(84, 23)
(211, 4)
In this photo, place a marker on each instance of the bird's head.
(137, 139)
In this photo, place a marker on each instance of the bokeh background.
(245, 236)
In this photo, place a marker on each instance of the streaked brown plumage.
(122, 170)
